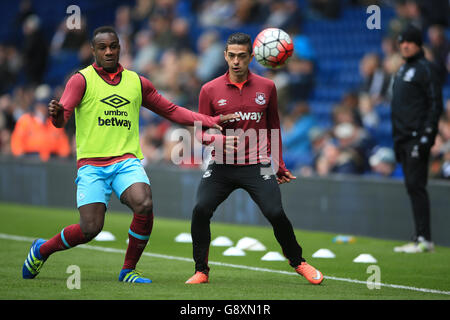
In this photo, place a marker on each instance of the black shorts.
(220, 180)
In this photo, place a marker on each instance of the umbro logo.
(207, 174)
(115, 101)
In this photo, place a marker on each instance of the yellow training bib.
(107, 119)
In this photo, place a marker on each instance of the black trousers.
(414, 159)
(218, 181)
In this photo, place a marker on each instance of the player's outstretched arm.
(60, 111)
(155, 102)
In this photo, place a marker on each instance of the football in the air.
(273, 47)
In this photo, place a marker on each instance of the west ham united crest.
(260, 98)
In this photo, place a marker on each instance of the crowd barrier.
(351, 205)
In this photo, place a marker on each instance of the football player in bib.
(106, 99)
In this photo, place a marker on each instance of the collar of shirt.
(418, 55)
(228, 81)
(111, 77)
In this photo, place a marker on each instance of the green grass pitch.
(169, 264)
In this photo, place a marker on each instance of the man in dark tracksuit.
(416, 108)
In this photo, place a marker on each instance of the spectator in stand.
(301, 78)
(160, 24)
(124, 27)
(345, 155)
(8, 72)
(391, 64)
(318, 139)
(383, 164)
(140, 13)
(146, 52)
(369, 117)
(440, 48)
(444, 172)
(327, 160)
(354, 145)
(188, 84)
(22, 98)
(35, 51)
(216, 13)
(210, 61)
(173, 149)
(439, 150)
(388, 46)
(295, 135)
(68, 39)
(25, 10)
(350, 102)
(361, 139)
(375, 80)
(407, 12)
(345, 114)
(7, 123)
(85, 55)
(151, 137)
(34, 134)
(301, 67)
(182, 40)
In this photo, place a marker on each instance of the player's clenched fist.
(54, 108)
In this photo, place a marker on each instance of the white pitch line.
(237, 266)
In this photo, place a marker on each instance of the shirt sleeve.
(273, 123)
(434, 94)
(155, 102)
(72, 95)
(205, 107)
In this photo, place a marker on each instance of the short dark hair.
(103, 29)
(240, 38)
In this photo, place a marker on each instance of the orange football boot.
(198, 277)
(311, 274)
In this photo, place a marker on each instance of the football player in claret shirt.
(241, 157)
(106, 99)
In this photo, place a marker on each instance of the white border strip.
(163, 256)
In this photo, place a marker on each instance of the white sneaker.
(406, 247)
(421, 245)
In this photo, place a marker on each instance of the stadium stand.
(331, 42)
